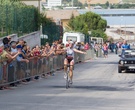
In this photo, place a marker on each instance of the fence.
(18, 71)
(53, 31)
(19, 19)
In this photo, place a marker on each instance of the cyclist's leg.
(65, 67)
(71, 69)
(65, 64)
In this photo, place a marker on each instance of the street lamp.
(120, 25)
(134, 33)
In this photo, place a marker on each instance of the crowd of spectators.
(113, 47)
(21, 52)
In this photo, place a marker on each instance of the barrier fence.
(17, 71)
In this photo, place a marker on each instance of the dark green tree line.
(18, 18)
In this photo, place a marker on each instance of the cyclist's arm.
(78, 51)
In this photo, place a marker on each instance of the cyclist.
(70, 59)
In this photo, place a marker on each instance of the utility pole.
(134, 33)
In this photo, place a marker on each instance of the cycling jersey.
(70, 52)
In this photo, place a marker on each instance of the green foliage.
(99, 33)
(88, 22)
(50, 28)
(107, 4)
(16, 17)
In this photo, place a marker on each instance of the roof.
(61, 14)
(99, 1)
(97, 7)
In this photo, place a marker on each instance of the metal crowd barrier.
(17, 71)
(100, 53)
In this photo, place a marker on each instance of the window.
(73, 38)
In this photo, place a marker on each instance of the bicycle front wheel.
(67, 81)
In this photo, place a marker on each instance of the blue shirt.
(125, 46)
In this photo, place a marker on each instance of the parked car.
(127, 61)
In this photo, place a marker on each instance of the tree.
(107, 4)
(88, 22)
(99, 33)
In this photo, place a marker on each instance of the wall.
(32, 39)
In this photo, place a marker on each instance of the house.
(61, 17)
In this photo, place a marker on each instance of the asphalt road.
(96, 86)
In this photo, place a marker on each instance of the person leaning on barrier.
(13, 48)
(21, 42)
(5, 57)
(59, 50)
(44, 52)
(21, 57)
(5, 41)
(62, 47)
(52, 51)
(86, 46)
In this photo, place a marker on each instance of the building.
(61, 17)
(54, 3)
(99, 1)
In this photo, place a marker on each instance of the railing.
(18, 71)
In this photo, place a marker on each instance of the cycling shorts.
(69, 58)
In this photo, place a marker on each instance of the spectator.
(5, 41)
(67, 44)
(79, 46)
(21, 56)
(13, 48)
(105, 50)
(5, 57)
(116, 48)
(125, 45)
(86, 47)
(9, 38)
(112, 45)
(96, 48)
